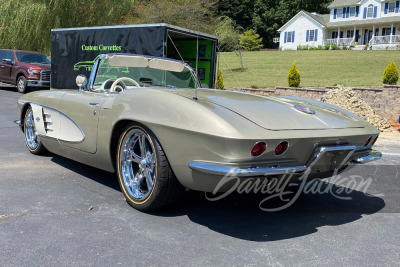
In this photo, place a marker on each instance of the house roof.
(395, 19)
(320, 19)
(342, 3)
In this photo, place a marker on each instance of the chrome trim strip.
(221, 170)
(372, 156)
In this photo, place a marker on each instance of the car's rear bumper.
(38, 83)
(254, 170)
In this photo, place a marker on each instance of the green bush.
(219, 83)
(327, 46)
(294, 76)
(391, 74)
(250, 41)
(334, 47)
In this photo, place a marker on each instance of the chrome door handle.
(94, 104)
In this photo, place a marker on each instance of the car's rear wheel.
(145, 176)
(22, 84)
(32, 139)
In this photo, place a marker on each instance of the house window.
(311, 36)
(352, 11)
(290, 37)
(386, 31)
(339, 13)
(392, 7)
(370, 12)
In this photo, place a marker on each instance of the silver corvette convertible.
(148, 120)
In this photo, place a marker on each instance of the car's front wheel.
(145, 176)
(22, 84)
(32, 139)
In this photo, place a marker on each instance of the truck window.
(2, 55)
(32, 58)
(10, 56)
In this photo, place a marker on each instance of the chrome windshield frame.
(97, 63)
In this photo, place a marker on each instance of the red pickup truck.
(24, 69)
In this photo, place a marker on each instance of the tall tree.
(241, 11)
(196, 15)
(27, 24)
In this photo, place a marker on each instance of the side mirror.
(8, 61)
(81, 81)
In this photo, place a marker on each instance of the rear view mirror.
(7, 61)
(81, 81)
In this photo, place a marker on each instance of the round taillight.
(368, 141)
(281, 148)
(258, 149)
(376, 139)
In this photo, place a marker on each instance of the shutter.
(293, 37)
(375, 11)
(316, 35)
(285, 37)
(386, 8)
(348, 12)
(357, 11)
(383, 31)
(308, 36)
(365, 13)
(334, 13)
(397, 6)
(344, 13)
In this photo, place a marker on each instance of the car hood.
(30, 65)
(279, 113)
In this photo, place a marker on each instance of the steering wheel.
(115, 85)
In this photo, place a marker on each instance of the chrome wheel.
(31, 136)
(21, 85)
(138, 164)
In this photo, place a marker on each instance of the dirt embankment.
(349, 100)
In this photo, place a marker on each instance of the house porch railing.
(340, 41)
(388, 39)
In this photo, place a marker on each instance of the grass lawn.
(317, 68)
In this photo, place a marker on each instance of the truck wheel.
(145, 176)
(22, 84)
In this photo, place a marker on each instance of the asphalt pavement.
(54, 211)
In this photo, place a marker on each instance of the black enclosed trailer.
(74, 50)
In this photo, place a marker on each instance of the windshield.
(32, 58)
(146, 71)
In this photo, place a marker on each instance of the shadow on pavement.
(102, 177)
(239, 216)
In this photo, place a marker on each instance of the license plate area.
(330, 159)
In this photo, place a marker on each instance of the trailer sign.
(112, 48)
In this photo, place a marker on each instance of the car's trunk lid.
(279, 113)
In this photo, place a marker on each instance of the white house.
(350, 22)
